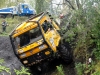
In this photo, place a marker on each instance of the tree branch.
(70, 4)
(78, 4)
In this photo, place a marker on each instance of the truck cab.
(24, 9)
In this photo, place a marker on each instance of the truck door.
(48, 34)
(25, 9)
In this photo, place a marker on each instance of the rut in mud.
(11, 61)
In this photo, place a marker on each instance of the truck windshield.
(47, 26)
(27, 38)
(25, 6)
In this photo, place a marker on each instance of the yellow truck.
(37, 40)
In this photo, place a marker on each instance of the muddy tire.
(40, 69)
(65, 54)
(34, 70)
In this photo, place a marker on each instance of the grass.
(11, 24)
(4, 68)
(97, 66)
(60, 70)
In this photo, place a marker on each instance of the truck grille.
(36, 58)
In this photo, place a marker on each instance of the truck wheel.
(65, 54)
(39, 69)
(34, 70)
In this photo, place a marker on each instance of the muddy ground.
(11, 61)
(6, 53)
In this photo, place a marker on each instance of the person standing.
(4, 24)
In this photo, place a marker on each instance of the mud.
(11, 61)
(6, 53)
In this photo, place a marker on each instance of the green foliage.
(23, 71)
(1, 61)
(60, 70)
(42, 5)
(8, 3)
(96, 53)
(39, 6)
(96, 73)
(84, 29)
(2, 3)
(96, 69)
(3, 68)
(84, 33)
(32, 3)
(96, 36)
(84, 68)
(79, 68)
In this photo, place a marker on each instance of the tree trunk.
(78, 4)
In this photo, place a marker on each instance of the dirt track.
(11, 61)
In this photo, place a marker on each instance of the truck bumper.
(37, 58)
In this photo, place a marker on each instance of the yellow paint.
(47, 53)
(56, 26)
(34, 51)
(50, 34)
(24, 29)
(31, 46)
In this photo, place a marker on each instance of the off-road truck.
(38, 39)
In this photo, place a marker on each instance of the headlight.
(23, 55)
(20, 51)
(40, 42)
(41, 47)
(25, 61)
(52, 42)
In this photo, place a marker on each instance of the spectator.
(61, 16)
(4, 24)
